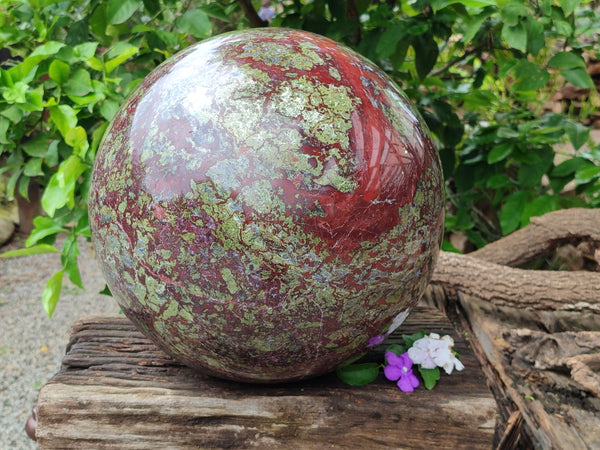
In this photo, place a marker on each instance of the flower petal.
(421, 356)
(392, 372)
(376, 340)
(406, 362)
(393, 359)
(458, 365)
(408, 382)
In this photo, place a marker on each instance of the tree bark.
(486, 275)
(251, 14)
(118, 390)
(531, 289)
(532, 368)
(542, 235)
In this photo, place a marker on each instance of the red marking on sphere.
(382, 155)
(184, 220)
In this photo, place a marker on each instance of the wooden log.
(117, 390)
(490, 273)
(558, 412)
(542, 235)
(527, 289)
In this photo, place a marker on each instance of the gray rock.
(7, 228)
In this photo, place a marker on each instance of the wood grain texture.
(527, 289)
(557, 411)
(492, 274)
(542, 235)
(117, 390)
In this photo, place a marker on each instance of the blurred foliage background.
(507, 87)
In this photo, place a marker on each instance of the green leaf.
(35, 250)
(579, 77)
(538, 207)
(152, 6)
(215, 10)
(77, 33)
(47, 49)
(61, 187)
(386, 45)
(77, 138)
(430, 376)
(43, 227)
(12, 181)
(34, 99)
(99, 22)
(38, 146)
(64, 117)
(530, 76)
(515, 35)
(52, 154)
(513, 11)
(95, 64)
(396, 349)
(437, 5)
(578, 133)
(508, 133)
(498, 181)
(568, 6)
(447, 246)
(510, 216)
(69, 260)
(59, 71)
(196, 23)
(426, 54)
(124, 51)
(535, 36)
(13, 113)
(531, 175)
(80, 83)
(15, 93)
(4, 126)
(409, 339)
(97, 136)
(586, 174)
(566, 60)
(569, 166)
(475, 25)
(85, 51)
(52, 292)
(476, 238)
(500, 152)
(33, 167)
(119, 11)
(24, 185)
(109, 109)
(563, 28)
(358, 374)
(106, 291)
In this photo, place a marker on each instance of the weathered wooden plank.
(117, 390)
(557, 411)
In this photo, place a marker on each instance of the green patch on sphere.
(229, 279)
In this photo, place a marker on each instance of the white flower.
(432, 351)
(398, 320)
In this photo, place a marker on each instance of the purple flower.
(376, 340)
(399, 368)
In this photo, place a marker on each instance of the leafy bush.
(480, 71)
(69, 66)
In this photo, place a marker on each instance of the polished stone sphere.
(266, 205)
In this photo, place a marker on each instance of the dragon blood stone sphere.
(266, 205)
